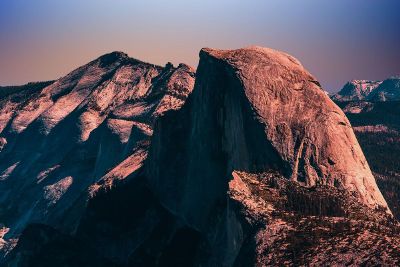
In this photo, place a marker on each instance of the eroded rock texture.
(263, 111)
(62, 142)
(290, 225)
(252, 110)
(258, 167)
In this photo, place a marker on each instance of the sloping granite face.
(62, 142)
(254, 109)
(257, 161)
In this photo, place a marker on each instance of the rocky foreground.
(123, 163)
(320, 226)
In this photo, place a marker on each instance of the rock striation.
(62, 141)
(252, 110)
(242, 171)
(263, 111)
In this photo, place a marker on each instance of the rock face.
(263, 111)
(356, 90)
(62, 141)
(377, 127)
(257, 161)
(252, 110)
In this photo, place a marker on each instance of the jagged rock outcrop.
(356, 90)
(62, 141)
(257, 161)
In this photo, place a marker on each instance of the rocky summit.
(248, 162)
(62, 142)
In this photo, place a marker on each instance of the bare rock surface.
(256, 167)
(263, 111)
(252, 110)
(62, 141)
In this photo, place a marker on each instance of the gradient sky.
(336, 40)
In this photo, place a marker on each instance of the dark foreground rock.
(287, 224)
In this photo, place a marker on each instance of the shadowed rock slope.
(258, 167)
(252, 110)
(29, 87)
(63, 141)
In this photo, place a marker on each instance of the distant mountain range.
(387, 90)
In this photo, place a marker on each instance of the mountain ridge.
(131, 164)
(359, 90)
(93, 119)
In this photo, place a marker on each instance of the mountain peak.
(118, 54)
(143, 165)
(110, 58)
(388, 90)
(355, 90)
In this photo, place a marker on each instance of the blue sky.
(336, 40)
